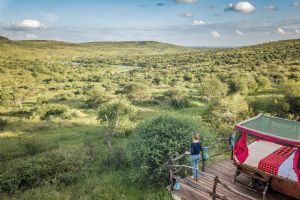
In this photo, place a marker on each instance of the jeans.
(195, 164)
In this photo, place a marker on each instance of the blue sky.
(183, 22)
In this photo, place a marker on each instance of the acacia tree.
(113, 115)
(211, 87)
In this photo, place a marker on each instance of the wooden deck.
(225, 170)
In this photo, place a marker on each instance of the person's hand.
(187, 153)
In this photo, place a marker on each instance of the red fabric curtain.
(296, 166)
(240, 149)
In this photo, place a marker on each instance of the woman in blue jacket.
(195, 149)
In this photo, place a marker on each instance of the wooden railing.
(215, 179)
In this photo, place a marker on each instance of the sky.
(182, 22)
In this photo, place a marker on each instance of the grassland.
(38, 73)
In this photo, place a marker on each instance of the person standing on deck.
(195, 149)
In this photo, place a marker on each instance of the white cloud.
(26, 24)
(215, 34)
(239, 32)
(186, 14)
(297, 31)
(199, 22)
(242, 7)
(296, 5)
(281, 31)
(271, 8)
(186, 1)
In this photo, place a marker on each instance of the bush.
(5, 97)
(272, 105)
(62, 166)
(3, 124)
(121, 111)
(49, 111)
(291, 91)
(178, 97)
(136, 91)
(243, 85)
(97, 97)
(226, 112)
(212, 87)
(33, 146)
(153, 142)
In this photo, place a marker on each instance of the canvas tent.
(276, 150)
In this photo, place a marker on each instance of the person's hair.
(196, 136)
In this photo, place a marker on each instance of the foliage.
(211, 87)
(48, 111)
(178, 97)
(244, 85)
(5, 97)
(291, 91)
(226, 112)
(136, 91)
(271, 105)
(3, 124)
(63, 166)
(97, 97)
(153, 142)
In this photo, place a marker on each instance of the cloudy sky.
(183, 22)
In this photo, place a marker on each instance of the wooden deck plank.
(225, 170)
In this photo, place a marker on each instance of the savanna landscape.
(149, 100)
(85, 120)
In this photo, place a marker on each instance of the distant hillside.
(4, 40)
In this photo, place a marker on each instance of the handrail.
(215, 178)
(217, 181)
(189, 167)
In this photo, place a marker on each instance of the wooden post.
(203, 162)
(170, 168)
(214, 192)
(265, 191)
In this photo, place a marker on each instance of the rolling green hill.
(53, 143)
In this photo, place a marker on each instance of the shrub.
(62, 166)
(226, 112)
(97, 97)
(136, 91)
(5, 97)
(243, 85)
(212, 87)
(3, 124)
(33, 146)
(178, 97)
(291, 91)
(153, 142)
(272, 105)
(45, 112)
(117, 110)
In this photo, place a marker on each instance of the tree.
(114, 114)
(243, 85)
(178, 97)
(226, 112)
(211, 87)
(291, 91)
(136, 91)
(97, 97)
(152, 144)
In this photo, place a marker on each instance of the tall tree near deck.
(113, 114)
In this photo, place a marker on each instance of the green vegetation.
(94, 120)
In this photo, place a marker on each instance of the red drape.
(296, 164)
(240, 149)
